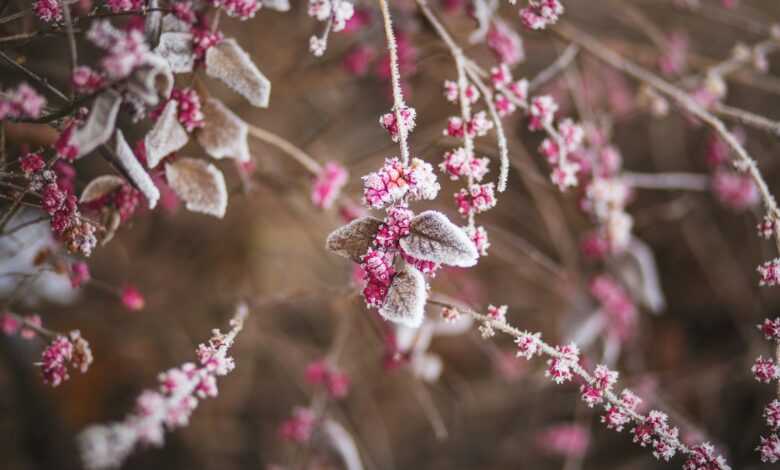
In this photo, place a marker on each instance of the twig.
(71, 43)
(673, 181)
(560, 64)
(747, 118)
(287, 147)
(32, 75)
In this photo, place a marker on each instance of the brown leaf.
(231, 64)
(176, 49)
(405, 301)
(167, 135)
(100, 186)
(199, 184)
(354, 239)
(434, 238)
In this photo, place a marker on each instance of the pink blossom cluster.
(475, 199)
(395, 182)
(505, 43)
(243, 9)
(126, 49)
(132, 299)
(734, 190)
(73, 351)
(328, 184)
(189, 108)
(477, 126)
(203, 39)
(541, 13)
(603, 381)
(769, 273)
(560, 367)
(87, 80)
(388, 122)
(299, 427)
(168, 408)
(458, 163)
(767, 371)
(48, 11)
(118, 6)
(767, 228)
(335, 13)
(323, 373)
(79, 274)
(12, 325)
(23, 102)
(125, 200)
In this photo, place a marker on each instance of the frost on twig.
(228, 62)
(100, 123)
(405, 301)
(199, 184)
(353, 240)
(135, 171)
(432, 237)
(167, 135)
(224, 134)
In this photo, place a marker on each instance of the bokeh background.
(486, 412)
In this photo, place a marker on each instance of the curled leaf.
(151, 80)
(100, 123)
(101, 186)
(434, 238)
(231, 64)
(405, 301)
(224, 134)
(176, 49)
(199, 184)
(167, 135)
(135, 171)
(353, 240)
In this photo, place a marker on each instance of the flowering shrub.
(573, 178)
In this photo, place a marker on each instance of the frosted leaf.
(135, 171)
(100, 123)
(151, 80)
(434, 238)
(153, 22)
(278, 5)
(167, 135)
(100, 186)
(199, 184)
(343, 444)
(224, 134)
(172, 24)
(231, 64)
(176, 49)
(640, 273)
(354, 239)
(405, 301)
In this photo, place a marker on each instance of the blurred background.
(485, 411)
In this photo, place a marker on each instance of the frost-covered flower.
(505, 43)
(299, 427)
(394, 181)
(736, 191)
(86, 80)
(476, 199)
(770, 448)
(54, 361)
(560, 367)
(703, 458)
(528, 344)
(769, 272)
(500, 76)
(479, 237)
(23, 102)
(542, 111)
(31, 163)
(189, 108)
(126, 49)
(767, 227)
(541, 13)
(328, 184)
(388, 122)
(118, 6)
(243, 9)
(772, 414)
(771, 329)
(48, 11)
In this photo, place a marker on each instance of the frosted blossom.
(86, 80)
(243, 9)
(500, 76)
(772, 414)
(504, 106)
(505, 43)
(770, 449)
(388, 122)
(118, 6)
(327, 185)
(564, 175)
(497, 313)
(299, 427)
(479, 237)
(126, 49)
(528, 344)
(31, 163)
(767, 227)
(23, 102)
(603, 381)
(771, 329)
(476, 199)
(189, 108)
(424, 181)
(559, 367)
(542, 111)
(704, 458)
(48, 11)
(765, 370)
(54, 361)
(458, 163)
(541, 13)
(736, 191)
(769, 272)
(132, 298)
(520, 89)
(317, 46)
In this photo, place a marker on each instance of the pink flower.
(458, 163)
(504, 106)
(479, 237)
(10, 325)
(770, 449)
(704, 458)
(560, 367)
(772, 414)
(48, 11)
(765, 370)
(771, 329)
(126, 49)
(31, 163)
(617, 416)
(79, 274)
(204, 39)
(736, 191)
(388, 122)
(528, 344)
(497, 313)
(299, 427)
(361, 18)
(505, 43)
(541, 13)
(594, 245)
(54, 361)
(64, 147)
(393, 182)
(603, 381)
(24, 102)
(328, 184)
(243, 9)
(675, 55)
(565, 440)
(767, 228)
(86, 80)
(132, 298)
(769, 272)
(395, 227)
(542, 111)
(476, 199)
(500, 76)
(189, 108)
(183, 11)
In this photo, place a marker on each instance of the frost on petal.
(354, 239)
(176, 49)
(152, 80)
(199, 184)
(343, 444)
(100, 123)
(167, 135)
(434, 238)
(224, 134)
(405, 301)
(231, 64)
(135, 171)
(100, 186)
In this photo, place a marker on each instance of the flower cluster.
(62, 352)
(323, 373)
(395, 182)
(118, 6)
(335, 13)
(560, 366)
(23, 102)
(189, 108)
(541, 13)
(170, 407)
(126, 49)
(766, 370)
(48, 11)
(87, 80)
(243, 9)
(299, 427)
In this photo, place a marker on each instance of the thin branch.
(552, 70)
(33, 76)
(671, 181)
(747, 118)
(287, 147)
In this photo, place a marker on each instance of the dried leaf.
(172, 24)
(135, 171)
(354, 239)
(199, 184)
(176, 49)
(167, 135)
(224, 134)
(434, 238)
(405, 301)
(231, 64)
(100, 186)
(100, 123)
(151, 81)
